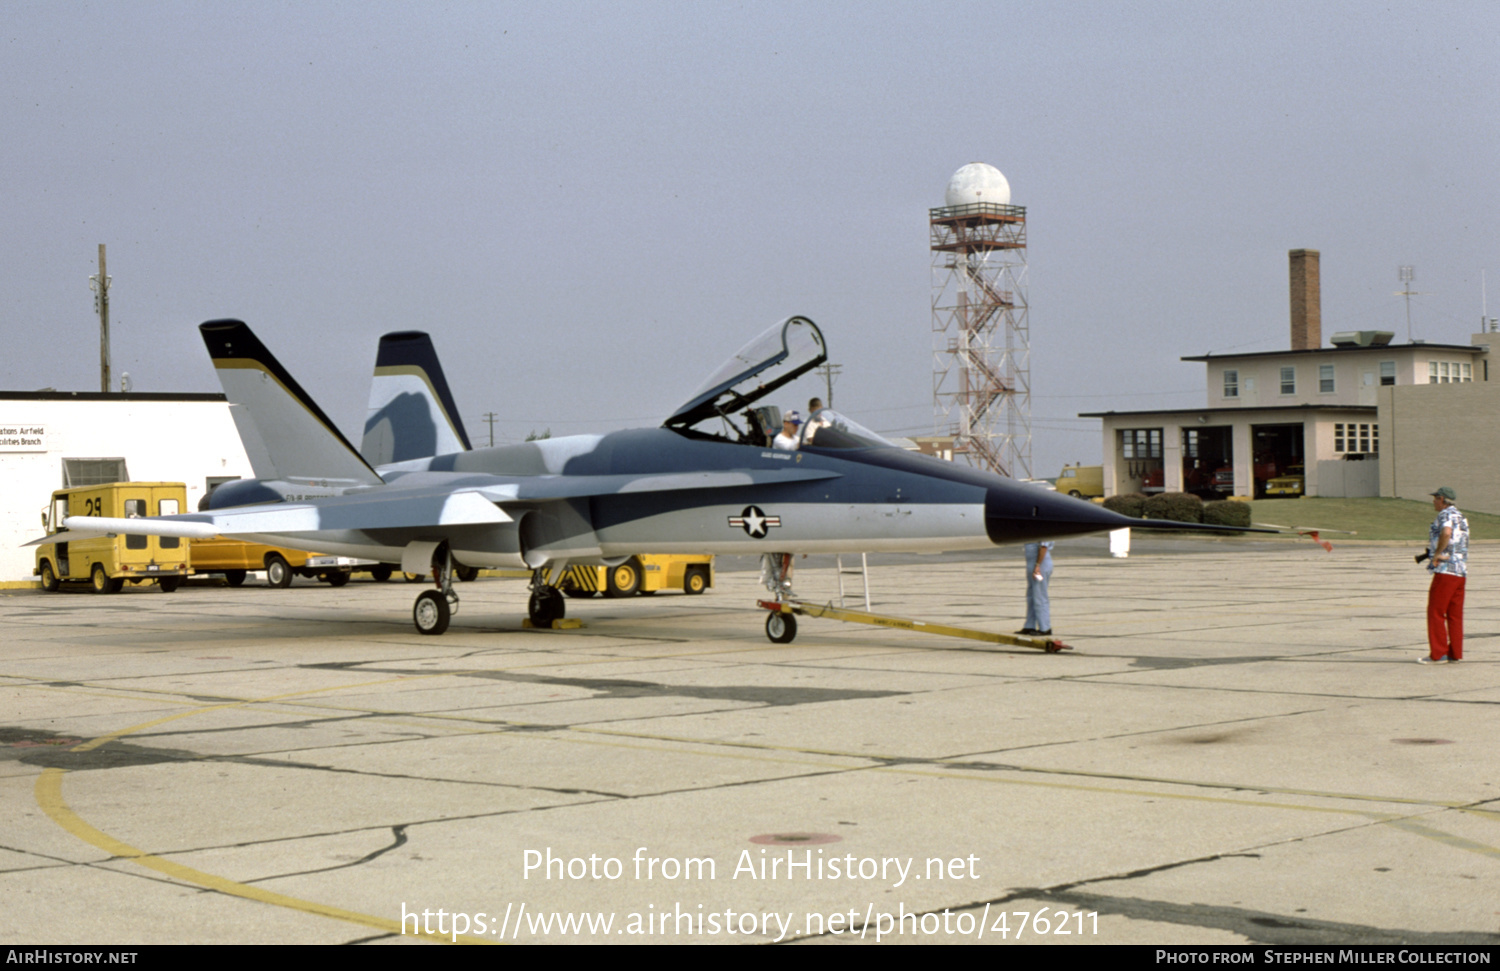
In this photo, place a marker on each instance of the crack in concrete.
(398, 839)
(1256, 926)
(1153, 663)
(262, 762)
(617, 688)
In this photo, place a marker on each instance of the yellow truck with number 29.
(106, 562)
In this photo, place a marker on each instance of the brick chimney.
(1307, 300)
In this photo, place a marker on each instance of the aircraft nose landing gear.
(781, 628)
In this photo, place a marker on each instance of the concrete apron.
(1240, 749)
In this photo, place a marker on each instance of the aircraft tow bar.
(781, 625)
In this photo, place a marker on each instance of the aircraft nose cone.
(1018, 513)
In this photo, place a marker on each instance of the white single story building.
(56, 439)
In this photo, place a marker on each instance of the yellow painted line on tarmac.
(49, 797)
(1457, 842)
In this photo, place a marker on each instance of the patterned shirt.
(1455, 559)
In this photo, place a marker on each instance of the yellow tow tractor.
(107, 562)
(644, 575)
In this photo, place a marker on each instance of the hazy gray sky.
(589, 206)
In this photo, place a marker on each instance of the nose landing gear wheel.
(545, 606)
(781, 628)
(431, 613)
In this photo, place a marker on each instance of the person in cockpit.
(818, 419)
(787, 440)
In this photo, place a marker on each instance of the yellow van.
(644, 575)
(107, 562)
(1081, 481)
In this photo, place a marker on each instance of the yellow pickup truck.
(106, 562)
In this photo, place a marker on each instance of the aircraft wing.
(372, 510)
(429, 505)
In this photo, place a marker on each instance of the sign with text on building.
(23, 438)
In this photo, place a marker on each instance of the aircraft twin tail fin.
(286, 435)
(412, 414)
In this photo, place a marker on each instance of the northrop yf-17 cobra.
(706, 481)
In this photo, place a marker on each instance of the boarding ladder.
(861, 571)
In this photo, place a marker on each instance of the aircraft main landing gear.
(546, 603)
(434, 608)
(431, 613)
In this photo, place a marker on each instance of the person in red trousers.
(1448, 552)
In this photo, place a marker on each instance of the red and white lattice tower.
(981, 376)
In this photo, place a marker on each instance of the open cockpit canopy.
(781, 354)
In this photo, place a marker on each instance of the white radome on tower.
(978, 182)
(981, 343)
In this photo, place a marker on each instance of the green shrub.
(1222, 512)
(1180, 507)
(1130, 504)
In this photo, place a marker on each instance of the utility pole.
(830, 371)
(489, 417)
(100, 285)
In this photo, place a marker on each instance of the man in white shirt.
(787, 440)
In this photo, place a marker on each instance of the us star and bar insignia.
(754, 522)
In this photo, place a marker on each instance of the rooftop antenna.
(1407, 273)
(1487, 324)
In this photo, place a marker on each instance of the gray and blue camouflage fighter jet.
(706, 481)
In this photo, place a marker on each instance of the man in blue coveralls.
(1038, 572)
